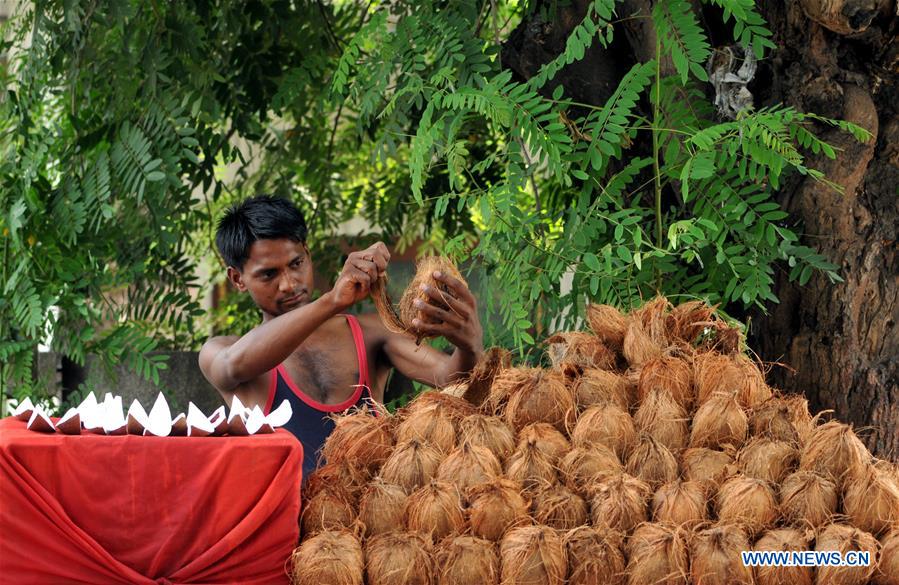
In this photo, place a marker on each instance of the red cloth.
(143, 510)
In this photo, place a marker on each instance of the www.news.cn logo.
(805, 558)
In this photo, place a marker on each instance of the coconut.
(638, 347)
(667, 373)
(574, 351)
(714, 372)
(752, 391)
(594, 557)
(583, 466)
(600, 387)
(748, 501)
(399, 558)
(411, 465)
(657, 554)
(607, 425)
(619, 502)
(808, 498)
(784, 539)
(449, 404)
(351, 479)
(719, 421)
(767, 459)
(872, 503)
(661, 417)
(547, 399)
(533, 555)
(653, 317)
(469, 465)
(432, 425)
(652, 462)
(465, 560)
(773, 419)
(707, 466)
(688, 320)
(328, 557)
(506, 383)
(888, 567)
(381, 507)
(556, 506)
(843, 538)
(680, 503)
(479, 430)
(834, 449)
(494, 507)
(546, 438)
(360, 438)
(329, 509)
(716, 559)
(608, 324)
(434, 509)
(530, 466)
(494, 360)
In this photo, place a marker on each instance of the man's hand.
(460, 324)
(360, 271)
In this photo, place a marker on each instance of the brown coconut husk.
(661, 417)
(619, 503)
(680, 503)
(747, 501)
(399, 319)
(808, 498)
(714, 372)
(657, 554)
(533, 555)
(328, 557)
(494, 360)
(594, 557)
(530, 466)
(768, 459)
(360, 439)
(573, 352)
(716, 560)
(435, 510)
(350, 478)
(558, 507)
(466, 560)
(722, 338)
(887, 572)
(600, 387)
(669, 373)
(468, 466)
(652, 462)
(488, 431)
(653, 316)
(843, 538)
(834, 449)
(784, 539)
(411, 465)
(753, 391)
(547, 438)
(872, 502)
(773, 419)
(454, 390)
(584, 466)
(454, 407)
(639, 347)
(548, 399)
(506, 383)
(607, 425)
(608, 324)
(329, 509)
(496, 506)
(718, 422)
(689, 320)
(399, 558)
(708, 467)
(381, 507)
(432, 425)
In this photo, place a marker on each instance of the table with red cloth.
(142, 510)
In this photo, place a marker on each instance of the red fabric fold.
(146, 510)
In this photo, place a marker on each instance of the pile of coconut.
(651, 451)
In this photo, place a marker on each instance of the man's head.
(263, 241)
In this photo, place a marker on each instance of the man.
(309, 352)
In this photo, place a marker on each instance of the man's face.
(278, 275)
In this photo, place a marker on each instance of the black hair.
(263, 217)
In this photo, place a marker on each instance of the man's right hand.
(360, 272)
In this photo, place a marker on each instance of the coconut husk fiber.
(468, 466)
(784, 539)
(328, 557)
(887, 572)
(399, 320)
(834, 449)
(581, 467)
(546, 438)
(661, 417)
(652, 462)
(488, 431)
(572, 352)
(639, 347)
(494, 360)
(432, 424)
(619, 503)
(381, 507)
(689, 320)
(682, 503)
(715, 554)
(556, 506)
(747, 501)
(658, 554)
(768, 459)
(448, 404)
(435, 510)
(872, 502)
(718, 422)
(399, 558)
(360, 439)
(601, 387)
(594, 557)
(533, 555)
(411, 465)
(843, 538)
(351, 479)
(329, 509)
(496, 506)
(608, 324)
(466, 560)
(808, 498)
(707, 466)
(669, 373)
(506, 383)
(653, 316)
(607, 425)
(714, 372)
(530, 466)
(547, 399)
